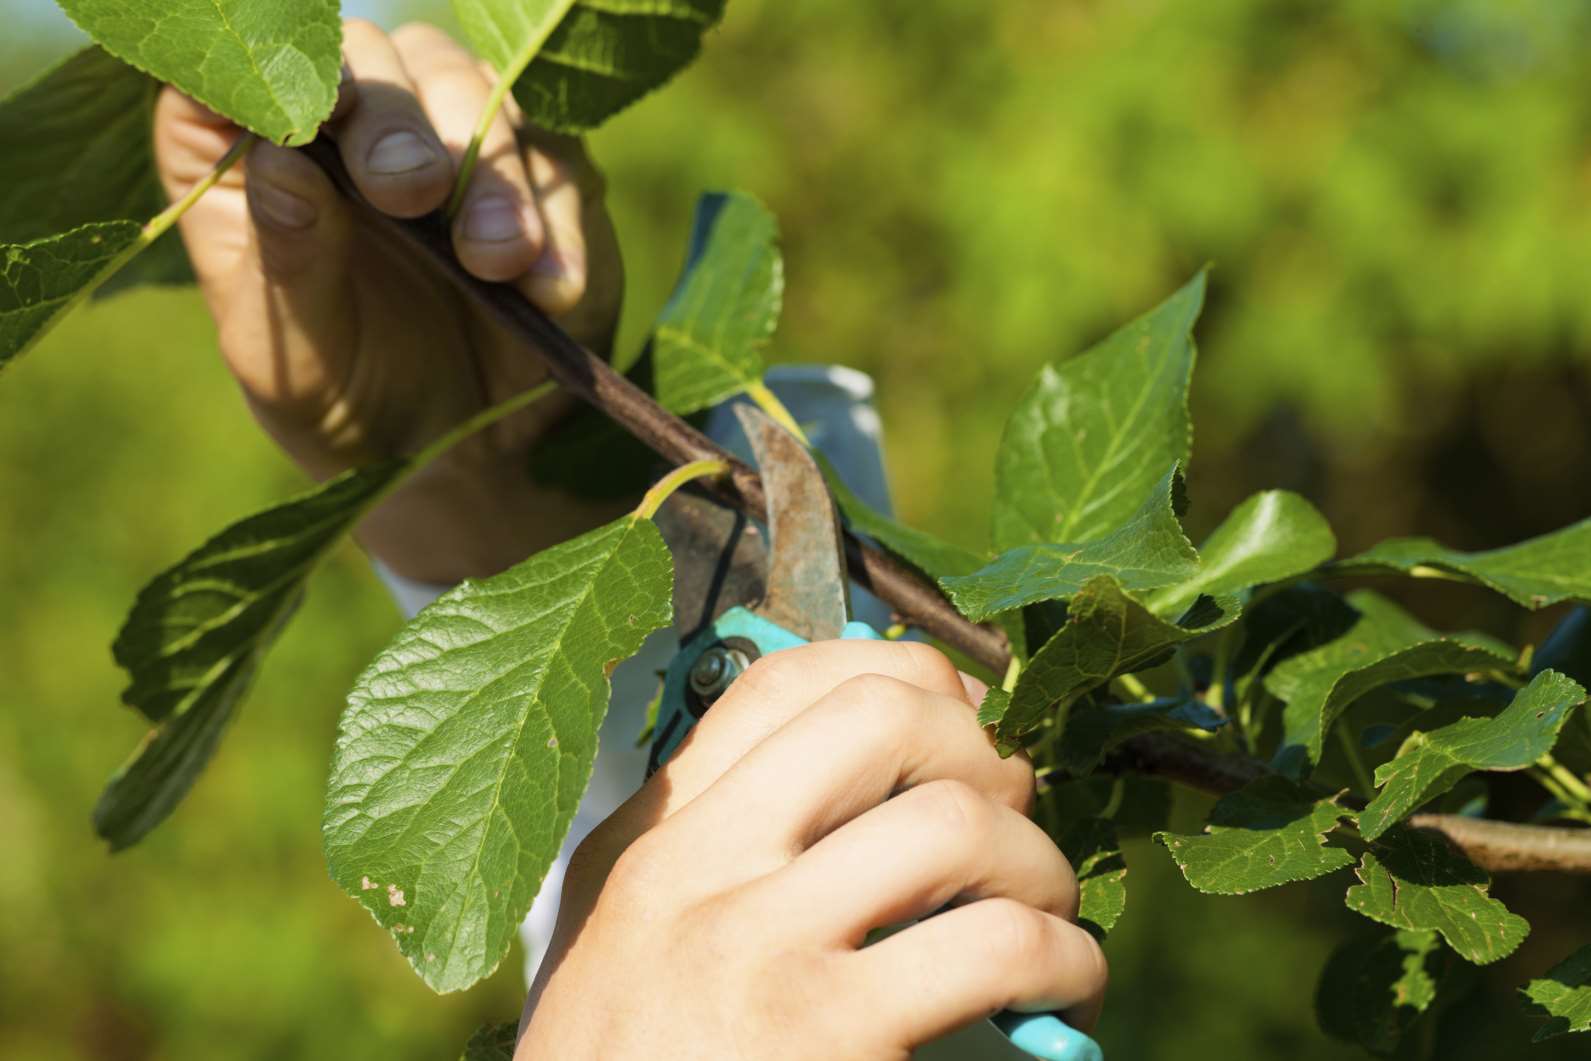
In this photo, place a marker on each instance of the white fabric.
(833, 406)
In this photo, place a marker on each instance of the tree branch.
(1491, 845)
(1501, 847)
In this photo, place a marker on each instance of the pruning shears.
(742, 592)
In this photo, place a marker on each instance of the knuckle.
(1016, 935)
(951, 810)
(930, 666)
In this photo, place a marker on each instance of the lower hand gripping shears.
(741, 593)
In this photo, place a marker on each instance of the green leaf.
(1432, 762)
(1095, 433)
(41, 279)
(75, 147)
(198, 631)
(1095, 854)
(1267, 833)
(271, 67)
(1093, 731)
(1564, 994)
(707, 343)
(492, 1042)
(1414, 879)
(1385, 645)
(1375, 987)
(930, 555)
(1546, 570)
(1149, 550)
(467, 744)
(603, 56)
(1272, 536)
(1107, 633)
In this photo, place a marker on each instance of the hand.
(346, 350)
(837, 788)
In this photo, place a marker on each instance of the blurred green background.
(1397, 198)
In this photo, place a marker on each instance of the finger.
(929, 846)
(385, 139)
(964, 964)
(557, 279)
(498, 233)
(869, 737)
(287, 301)
(773, 690)
(189, 139)
(782, 685)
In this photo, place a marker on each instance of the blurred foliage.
(1397, 199)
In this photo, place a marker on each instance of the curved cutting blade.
(806, 578)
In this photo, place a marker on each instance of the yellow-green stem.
(481, 420)
(494, 102)
(1573, 786)
(665, 487)
(1350, 750)
(153, 229)
(1134, 688)
(770, 404)
(1013, 671)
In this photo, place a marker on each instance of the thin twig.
(1491, 845)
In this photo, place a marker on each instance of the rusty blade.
(720, 559)
(806, 578)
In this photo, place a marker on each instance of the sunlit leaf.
(1414, 879)
(1564, 994)
(1107, 633)
(271, 67)
(468, 742)
(1433, 761)
(39, 279)
(1546, 570)
(198, 631)
(1149, 550)
(1267, 833)
(707, 343)
(1095, 854)
(1094, 433)
(1384, 645)
(1272, 536)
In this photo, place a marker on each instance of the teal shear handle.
(699, 674)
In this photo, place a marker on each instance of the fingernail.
(281, 208)
(493, 220)
(400, 152)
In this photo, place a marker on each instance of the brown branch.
(1500, 847)
(1491, 845)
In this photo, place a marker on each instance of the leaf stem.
(482, 420)
(494, 102)
(675, 479)
(769, 402)
(1134, 688)
(1576, 789)
(153, 229)
(1013, 671)
(1367, 785)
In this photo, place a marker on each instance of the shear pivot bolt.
(715, 669)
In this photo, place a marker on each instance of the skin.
(837, 788)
